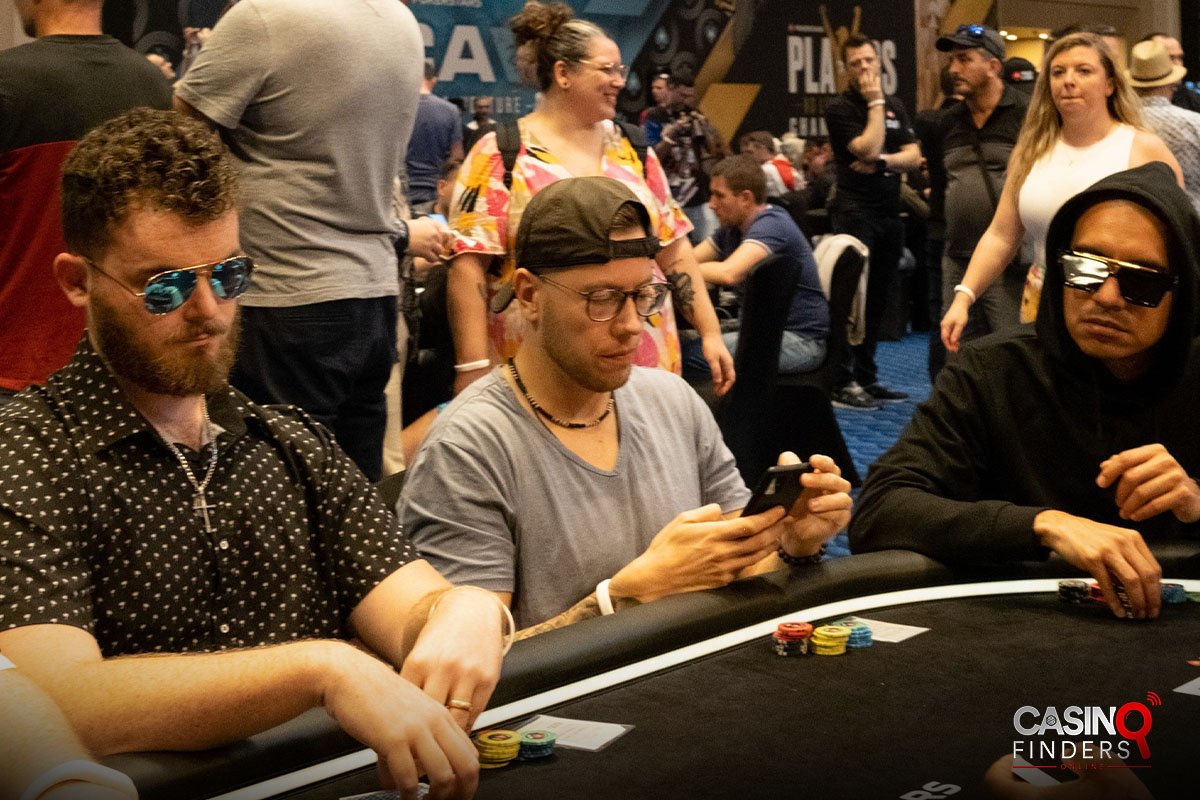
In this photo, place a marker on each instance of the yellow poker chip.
(834, 632)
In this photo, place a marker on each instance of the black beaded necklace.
(562, 423)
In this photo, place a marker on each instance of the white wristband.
(603, 599)
(961, 289)
(873, 103)
(85, 771)
(473, 365)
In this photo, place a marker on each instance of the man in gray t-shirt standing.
(316, 101)
(570, 482)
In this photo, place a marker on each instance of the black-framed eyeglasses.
(610, 69)
(170, 289)
(1139, 285)
(605, 304)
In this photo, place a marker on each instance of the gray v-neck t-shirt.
(493, 499)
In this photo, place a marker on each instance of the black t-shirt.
(846, 118)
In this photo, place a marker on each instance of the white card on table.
(1191, 687)
(578, 734)
(885, 631)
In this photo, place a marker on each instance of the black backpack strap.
(637, 139)
(508, 142)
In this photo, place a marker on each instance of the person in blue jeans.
(751, 231)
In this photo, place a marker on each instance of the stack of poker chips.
(537, 744)
(497, 748)
(1174, 594)
(792, 638)
(1073, 591)
(830, 640)
(860, 636)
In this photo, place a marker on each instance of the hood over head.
(1153, 187)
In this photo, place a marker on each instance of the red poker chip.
(790, 631)
(1195, 662)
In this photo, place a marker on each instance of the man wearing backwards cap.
(1154, 78)
(543, 481)
(1079, 437)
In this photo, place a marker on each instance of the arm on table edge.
(176, 701)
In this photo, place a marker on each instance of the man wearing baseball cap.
(977, 137)
(570, 482)
(1154, 77)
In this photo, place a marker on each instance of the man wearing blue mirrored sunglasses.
(1078, 437)
(148, 507)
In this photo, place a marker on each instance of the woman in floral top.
(571, 134)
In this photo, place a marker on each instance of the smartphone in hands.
(778, 486)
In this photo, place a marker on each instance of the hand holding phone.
(778, 486)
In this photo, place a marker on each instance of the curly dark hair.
(556, 33)
(144, 157)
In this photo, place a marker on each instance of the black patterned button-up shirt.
(98, 531)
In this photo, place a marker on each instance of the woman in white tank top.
(1084, 123)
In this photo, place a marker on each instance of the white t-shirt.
(1064, 172)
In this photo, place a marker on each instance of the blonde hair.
(1043, 124)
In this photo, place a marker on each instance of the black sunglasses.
(169, 290)
(1139, 285)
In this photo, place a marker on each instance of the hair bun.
(539, 21)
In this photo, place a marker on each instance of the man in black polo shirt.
(872, 144)
(147, 509)
(978, 137)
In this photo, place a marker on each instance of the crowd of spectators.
(199, 330)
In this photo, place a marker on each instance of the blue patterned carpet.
(868, 434)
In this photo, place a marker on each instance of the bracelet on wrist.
(510, 625)
(798, 561)
(604, 599)
(471, 366)
(876, 102)
(83, 771)
(967, 290)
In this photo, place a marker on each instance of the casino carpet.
(869, 434)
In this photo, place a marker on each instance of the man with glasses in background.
(543, 481)
(148, 510)
(1080, 437)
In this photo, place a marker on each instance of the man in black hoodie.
(1079, 438)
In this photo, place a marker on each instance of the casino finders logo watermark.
(1078, 736)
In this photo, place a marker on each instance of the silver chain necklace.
(200, 505)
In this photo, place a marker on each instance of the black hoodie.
(1021, 421)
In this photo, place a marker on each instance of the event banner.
(758, 64)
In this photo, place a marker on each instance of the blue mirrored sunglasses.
(167, 291)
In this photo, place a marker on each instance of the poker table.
(716, 713)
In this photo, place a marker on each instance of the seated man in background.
(751, 231)
(570, 482)
(148, 510)
(41, 758)
(781, 176)
(1080, 438)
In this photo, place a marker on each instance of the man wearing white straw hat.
(1154, 77)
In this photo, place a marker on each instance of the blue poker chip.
(537, 744)
(1174, 594)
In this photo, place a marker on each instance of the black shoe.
(884, 394)
(853, 396)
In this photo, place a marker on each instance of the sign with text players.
(791, 53)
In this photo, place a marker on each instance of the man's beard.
(166, 369)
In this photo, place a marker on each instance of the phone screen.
(778, 486)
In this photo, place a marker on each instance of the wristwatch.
(402, 239)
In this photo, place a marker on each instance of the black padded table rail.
(271, 763)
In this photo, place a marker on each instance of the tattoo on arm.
(683, 294)
(586, 608)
